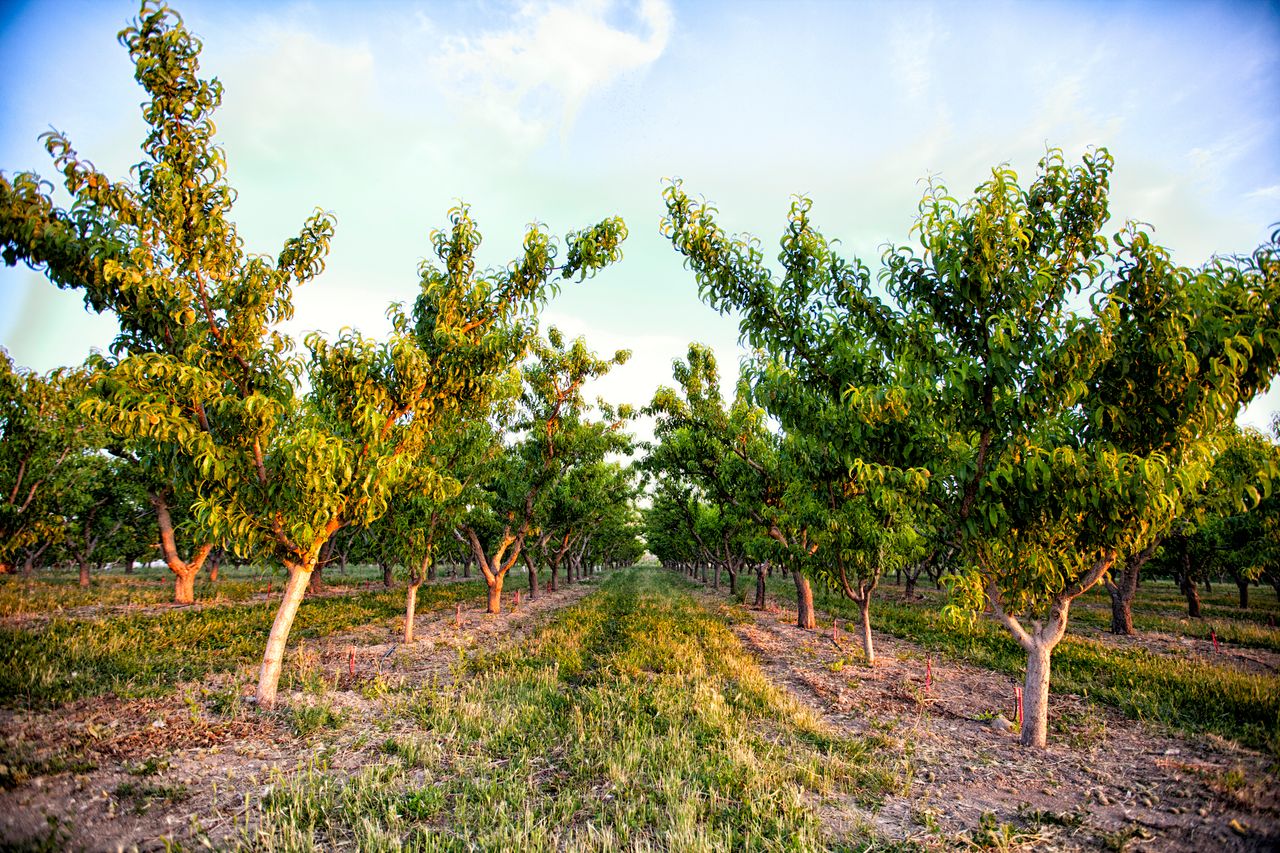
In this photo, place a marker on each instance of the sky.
(388, 113)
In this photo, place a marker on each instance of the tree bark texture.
(273, 658)
(805, 616)
(864, 614)
(410, 606)
(1035, 697)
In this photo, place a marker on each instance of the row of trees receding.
(463, 421)
(1021, 400)
(1017, 399)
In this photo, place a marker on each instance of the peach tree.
(1051, 440)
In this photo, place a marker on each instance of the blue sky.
(566, 112)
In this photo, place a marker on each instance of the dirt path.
(1103, 782)
(107, 774)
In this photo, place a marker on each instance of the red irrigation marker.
(1213, 635)
(268, 587)
(1017, 703)
(351, 661)
(928, 673)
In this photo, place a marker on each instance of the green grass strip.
(146, 655)
(634, 720)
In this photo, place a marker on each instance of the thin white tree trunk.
(273, 658)
(864, 612)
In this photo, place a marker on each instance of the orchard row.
(961, 410)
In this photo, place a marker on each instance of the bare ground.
(1105, 782)
(107, 774)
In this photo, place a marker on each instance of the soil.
(108, 774)
(111, 774)
(1103, 783)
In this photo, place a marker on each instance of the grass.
(634, 720)
(1185, 693)
(147, 655)
(1240, 631)
(58, 590)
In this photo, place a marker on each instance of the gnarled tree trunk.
(316, 585)
(805, 616)
(495, 567)
(1122, 586)
(1039, 644)
(1242, 584)
(1190, 590)
(184, 571)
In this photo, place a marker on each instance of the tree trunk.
(316, 584)
(715, 577)
(1121, 614)
(213, 568)
(1192, 593)
(533, 574)
(183, 591)
(805, 617)
(1243, 586)
(759, 602)
(909, 591)
(184, 588)
(495, 594)
(1207, 587)
(1122, 592)
(733, 581)
(410, 605)
(84, 574)
(388, 575)
(273, 658)
(1035, 696)
(864, 613)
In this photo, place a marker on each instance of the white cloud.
(912, 41)
(1210, 164)
(1271, 192)
(522, 80)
